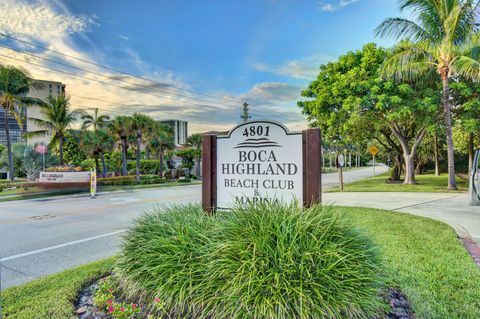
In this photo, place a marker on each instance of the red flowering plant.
(123, 310)
(104, 295)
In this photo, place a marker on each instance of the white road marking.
(42, 250)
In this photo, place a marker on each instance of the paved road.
(45, 236)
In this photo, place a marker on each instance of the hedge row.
(130, 180)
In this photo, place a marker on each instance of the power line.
(106, 83)
(98, 74)
(112, 69)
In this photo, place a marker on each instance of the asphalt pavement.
(43, 236)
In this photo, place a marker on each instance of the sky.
(192, 60)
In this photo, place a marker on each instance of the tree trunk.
(436, 153)
(9, 145)
(452, 184)
(104, 165)
(396, 171)
(197, 169)
(124, 156)
(408, 153)
(97, 164)
(160, 162)
(137, 165)
(409, 170)
(470, 151)
(60, 147)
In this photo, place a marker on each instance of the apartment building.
(41, 90)
(180, 131)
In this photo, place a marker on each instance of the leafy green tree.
(466, 96)
(14, 85)
(187, 155)
(140, 124)
(96, 143)
(349, 94)
(443, 44)
(72, 152)
(57, 119)
(94, 121)
(195, 140)
(159, 138)
(121, 127)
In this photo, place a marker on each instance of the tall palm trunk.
(452, 184)
(137, 168)
(61, 148)
(470, 151)
(9, 144)
(436, 153)
(97, 164)
(124, 156)
(160, 162)
(104, 165)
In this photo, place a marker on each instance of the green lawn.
(426, 183)
(51, 297)
(423, 257)
(36, 192)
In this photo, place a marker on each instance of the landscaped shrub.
(269, 261)
(130, 180)
(146, 166)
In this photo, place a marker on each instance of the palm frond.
(401, 28)
(467, 67)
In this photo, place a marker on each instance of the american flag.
(41, 148)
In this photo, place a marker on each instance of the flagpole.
(43, 156)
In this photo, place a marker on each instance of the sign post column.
(374, 151)
(209, 166)
(312, 168)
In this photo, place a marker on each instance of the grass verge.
(426, 183)
(53, 296)
(423, 258)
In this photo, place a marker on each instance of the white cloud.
(49, 24)
(306, 69)
(335, 6)
(124, 37)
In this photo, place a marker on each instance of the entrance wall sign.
(261, 161)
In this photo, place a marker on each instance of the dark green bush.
(146, 166)
(130, 180)
(271, 261)
(185, 180)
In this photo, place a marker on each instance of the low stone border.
(473, 249)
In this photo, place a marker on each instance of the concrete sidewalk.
(450, 208)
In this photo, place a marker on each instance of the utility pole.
(246, 116)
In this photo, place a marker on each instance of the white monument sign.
(259, 161)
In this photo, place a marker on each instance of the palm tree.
(95, 143)
(95, 121)
(57, 119)
(121, 126)
(140, 124)
(441, 42)
(14, 85)
(159, 138)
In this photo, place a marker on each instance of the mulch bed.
(86, 309)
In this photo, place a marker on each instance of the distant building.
(42, 90)
(180, 131)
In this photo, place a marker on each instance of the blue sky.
(260, 51)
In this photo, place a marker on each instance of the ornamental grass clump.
(264, 261)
